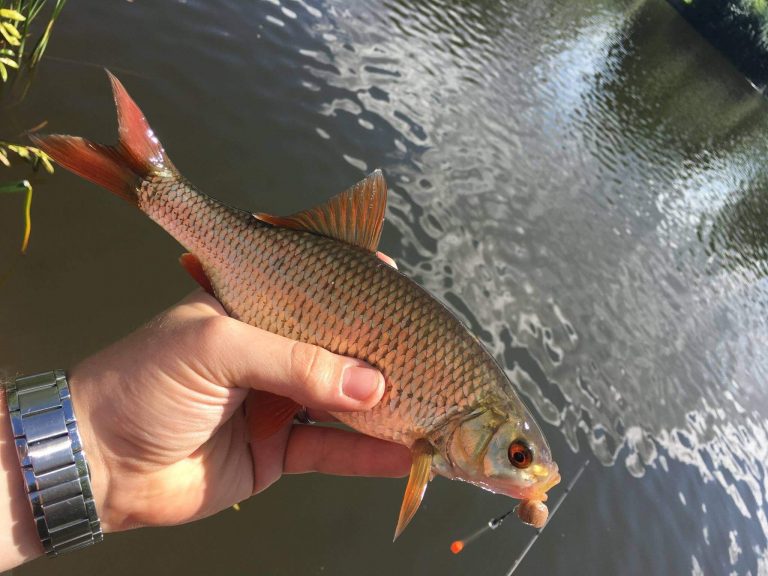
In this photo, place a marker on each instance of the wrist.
(84, 407)
(55, 471)
(19, 542)
(118, 480)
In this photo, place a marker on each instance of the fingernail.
(359, 383)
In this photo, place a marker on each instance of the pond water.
(583, 183)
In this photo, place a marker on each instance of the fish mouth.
(550, 477)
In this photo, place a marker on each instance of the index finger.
(343, 453)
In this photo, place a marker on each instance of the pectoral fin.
(267, 413)
(194, 268)
(417, 483)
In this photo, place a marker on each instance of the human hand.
(163, 426)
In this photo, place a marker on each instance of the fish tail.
(117, 168)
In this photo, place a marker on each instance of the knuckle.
(312, 366)
(211, 330)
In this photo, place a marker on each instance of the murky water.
(583, 183)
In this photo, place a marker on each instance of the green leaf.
(4, 157)
(27, 216)
(3, 72)
(12, 15)
(11, 30)
(9, 62)
(44, 158)
(14, 187)
(22, 151)
(12, 40)
(18, 187)
(42, 44)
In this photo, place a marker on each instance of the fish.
(314, 277)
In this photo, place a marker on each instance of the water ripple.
(626, 271)
(582, 183)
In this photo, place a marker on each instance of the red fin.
(386, 259)
(355, 216)
(116, 168)
(192, 265)
(98, 163)
(421, 467)
(268, 412)
(137, 140)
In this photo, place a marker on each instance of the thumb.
(252, 358)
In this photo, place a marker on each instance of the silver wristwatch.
(52, 461)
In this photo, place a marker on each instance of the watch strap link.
(53, 464)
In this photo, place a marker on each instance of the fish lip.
(539, 490)
(535, 491)
(553, 480)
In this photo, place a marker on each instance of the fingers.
(238, 355)
(305, 373)
(197, 304)
(343, 453)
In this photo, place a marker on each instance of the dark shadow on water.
(675, 116)
(738, 28)
(738, 232)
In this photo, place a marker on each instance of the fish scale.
(314, 277)
(288, 266)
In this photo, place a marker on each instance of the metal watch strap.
(52, 462)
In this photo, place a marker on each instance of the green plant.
(37, 158)
(10, 41)
(23, 186)
(16, 18)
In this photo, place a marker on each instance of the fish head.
(503, 453)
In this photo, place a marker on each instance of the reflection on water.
(582, 183)
(738, 232)
(551, 181)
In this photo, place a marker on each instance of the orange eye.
(520, 454)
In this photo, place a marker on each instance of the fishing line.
(458, 545)
(554, 511)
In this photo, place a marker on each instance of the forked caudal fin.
(118, 168)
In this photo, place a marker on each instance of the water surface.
(582, 183)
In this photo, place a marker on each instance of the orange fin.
(355, 216)
(267, 413)
(98, 163)
(136, 139)
(116, 168)
(192, 265)
(421, 468)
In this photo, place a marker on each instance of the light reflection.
(603, 227)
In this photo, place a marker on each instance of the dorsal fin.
(355, 216)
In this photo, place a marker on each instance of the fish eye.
(520, 454)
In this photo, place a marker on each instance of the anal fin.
(421, 468)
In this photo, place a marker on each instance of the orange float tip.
(457, 546)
